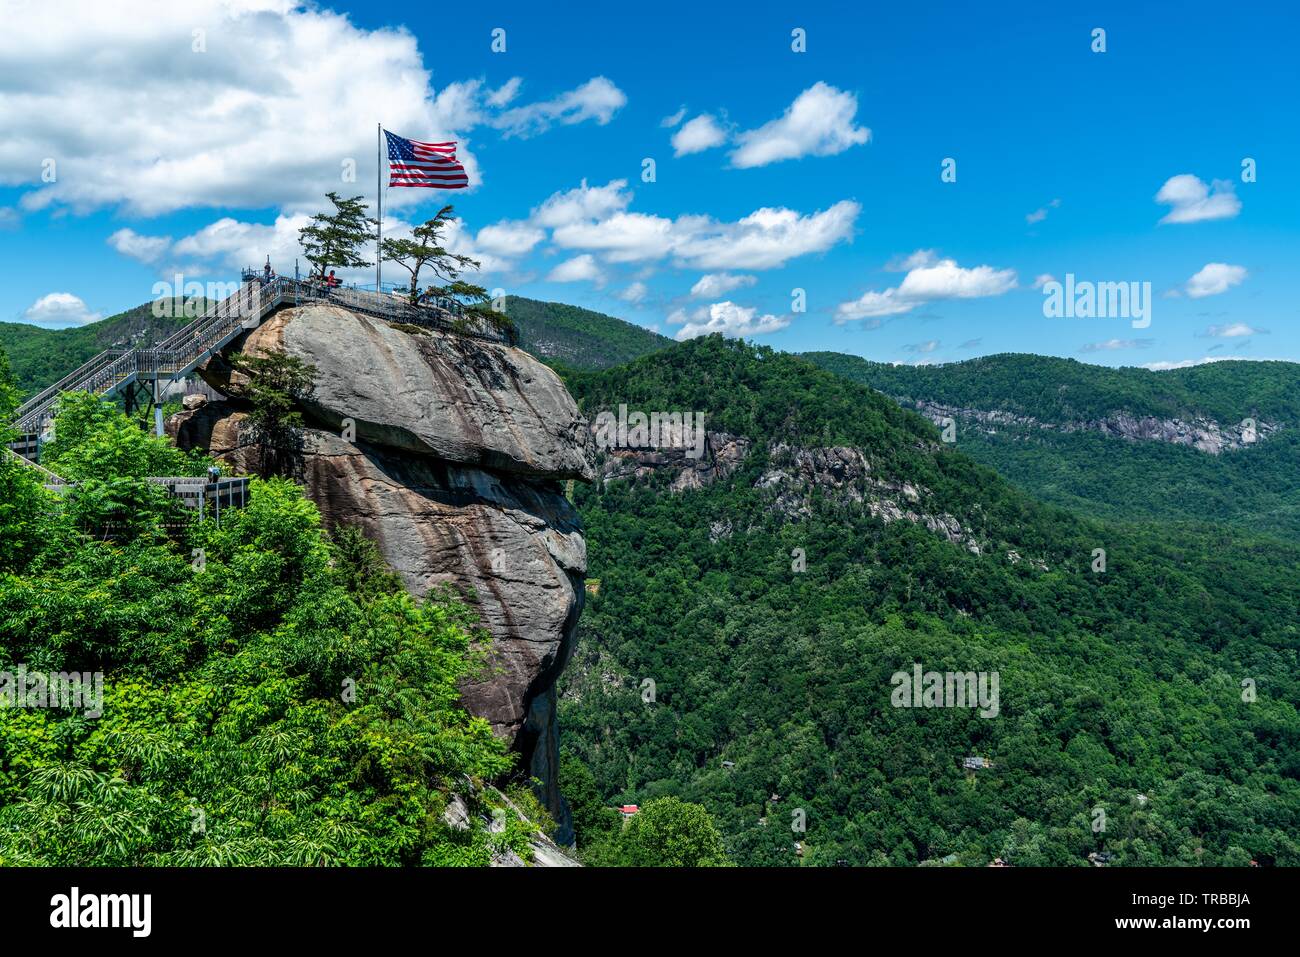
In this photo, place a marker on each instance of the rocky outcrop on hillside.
(542, 850)
(840, 474)
(722, 455)
(449, 452)
(1201, 433)
(843, 475)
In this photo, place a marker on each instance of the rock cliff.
(1201, 433)
(793, 475)
(449, 452)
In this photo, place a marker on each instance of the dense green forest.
(1108, 476)
(1148, 711)
(272, 696)
(580, 338)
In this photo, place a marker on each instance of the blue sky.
(195, 140)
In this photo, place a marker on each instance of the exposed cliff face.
(452, 462)
(840, 473)
(722, 454)
(1201, 433)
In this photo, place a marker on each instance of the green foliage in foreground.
(1120, 691)
(268, 697)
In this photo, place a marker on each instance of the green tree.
(361, 565)
(669, 832)
(593, 819)
(422, 250)
(277, 384)
(333, 239)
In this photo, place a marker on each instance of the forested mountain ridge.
(577, 337)
(1064, 391)
(740, 646)
(1120, 443)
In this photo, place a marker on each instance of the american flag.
(434, 165)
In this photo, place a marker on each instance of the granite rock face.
(449, 453)
(1201, 433)
(450, 397)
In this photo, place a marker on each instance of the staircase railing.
(180, 352)
(50, 478)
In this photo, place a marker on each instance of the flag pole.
(379, 203)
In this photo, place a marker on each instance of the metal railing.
(194, 492)
(51, 480)
(178, 354)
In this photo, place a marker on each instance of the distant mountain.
(1215, 442)
(1062, 391)
(579, 338)
(40, 357)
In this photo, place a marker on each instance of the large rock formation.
(448, 451)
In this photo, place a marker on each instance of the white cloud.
(818, 123)
(278, 106)
(623, 237)
(59, 310)
(922, 257)
(668, 122)
(634, 293)
(146, 249)
(235, 244)
(508, 238)
(935, 280)
(598, 99)
(1232, 330)
(1114, 345)
(505, 93)
(728, 319)
(1191, 201)
(1042, 279)
(1213, 279)
(9, 217)
(872, 305)
(582, 204)
(714, 284)
(578, 269)
(1040, 214)
(922, 347)
(701, 133)
(230, 244)
(764, 239)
